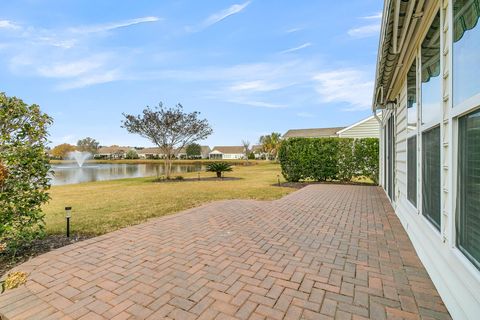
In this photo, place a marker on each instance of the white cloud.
(368, 30)
(300, 47)
(70, 69)
(256, 85)
(92, 79)
(112, 25)
(365, 31)
(292, 30)
(261, 104)
(7, 24)
(219, 16)
(345, 85)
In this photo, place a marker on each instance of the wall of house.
(367, 129)
(235, 156)
(455, 277)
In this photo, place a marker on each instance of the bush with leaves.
(322, 159)
(24, 171)
(131, 154)
(219, 167)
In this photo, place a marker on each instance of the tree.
(246, 148)
(271, 144)
(171, 129)
(194, 150)
(24, 171)
(88, 145)
(62, 150)
(131, 154)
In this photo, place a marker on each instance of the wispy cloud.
(292, 30)
(92, 79)
(7, 24)
(350, 86)
(256, 85)
(261, 104)
(112, 25)
(300, 47)
(219, 16)
(367, 30)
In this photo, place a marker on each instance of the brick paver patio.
(326, 251)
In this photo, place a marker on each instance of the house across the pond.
(366, 128)
(227, 152)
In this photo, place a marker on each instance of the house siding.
(367, 129)
(455, 278)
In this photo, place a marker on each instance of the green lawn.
(100, 207)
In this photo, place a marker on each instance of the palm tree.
(246, 148)
(271, 143)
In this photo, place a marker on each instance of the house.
(227, 152)
(204, 152)
(366, 128)
(150, 153)
(428, 89)
(112, 152)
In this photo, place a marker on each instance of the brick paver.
(323, 252)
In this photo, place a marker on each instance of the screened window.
(430, 87)
(412, 98)
(431, 175)
(466, 49)
(468, 198)
(412, 170)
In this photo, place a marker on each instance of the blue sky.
(250, 67)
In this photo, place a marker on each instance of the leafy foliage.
(88, 145)
(13, 280)
(25, 167)
(193, 150)
(171, 129)
(270, 144)
(322, 159)
(62, 150)
(131, 154)
(219, 167)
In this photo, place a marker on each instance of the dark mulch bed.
(36, 248)
(196, 179)
(300, 185)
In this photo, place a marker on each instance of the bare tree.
(171, 129)
(246, 148)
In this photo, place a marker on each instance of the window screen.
(431, 175)
(468, 199)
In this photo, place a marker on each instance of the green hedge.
(322, 159)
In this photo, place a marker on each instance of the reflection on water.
(71, 174)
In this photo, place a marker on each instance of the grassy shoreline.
(104, 206)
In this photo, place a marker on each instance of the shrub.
(179, 178)
(219, 167)
(24, 167)
(131, 154)
(322, 159)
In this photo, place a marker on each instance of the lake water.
(72, 174)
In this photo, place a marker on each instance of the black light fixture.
(68, 214)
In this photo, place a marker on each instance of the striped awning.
(467, 13)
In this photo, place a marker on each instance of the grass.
(101, 207)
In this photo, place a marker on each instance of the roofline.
(355, 124)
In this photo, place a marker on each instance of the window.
(412, 170)
(412, 98)
(431, 175)
(430, 88)
(466, 49)
(468, 197)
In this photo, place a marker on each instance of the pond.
(71, 174)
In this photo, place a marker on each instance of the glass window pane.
(412, 98)
(431, 94)
(466, 49)
(468, 199)
(431, 175)
(412, 170)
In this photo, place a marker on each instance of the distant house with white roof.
(227, 152)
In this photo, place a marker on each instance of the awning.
(467, 13)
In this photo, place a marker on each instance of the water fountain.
(79, 156)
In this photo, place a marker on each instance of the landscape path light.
(68, 214)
